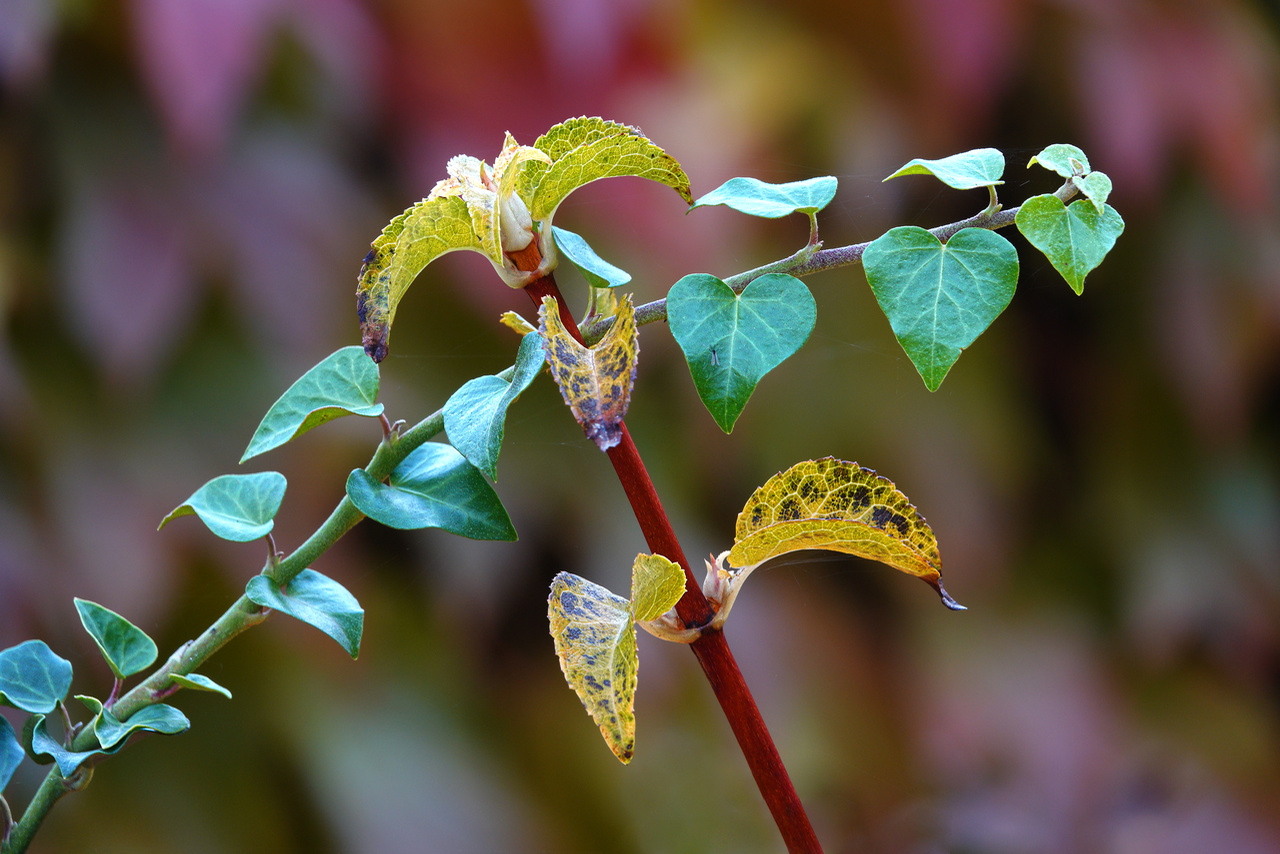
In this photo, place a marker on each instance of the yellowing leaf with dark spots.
(838, 506)
(595, 639)
(596, 381)
(412, 240)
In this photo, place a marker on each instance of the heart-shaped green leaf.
(1074, 238)
(434, 487)
(981, 167)
(316, 600)
(32, 677)
(197, 682)
(111, 732)
(1059, 158)
(236, 507)
(771, 201)
(11, 753)
(938, 298)
(345, 383)
(598, 272)
(732, 340)
(127, 648)
(475, 415)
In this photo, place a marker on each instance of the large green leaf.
(345, 383)
(11, 753)
(475, 415)
(595, 640)
(236, 507)
(434, 487)
(757, 198)
(127, 648)
(938, 298)
(732, 340)
(585, 149)
(32, 677)
(111, 732)
(316, 600)
(1074, 238)
(981, 167)
(424, 232)
(598, 272)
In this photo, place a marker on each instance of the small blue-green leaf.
(316, 600)
(938, 298)
(126, 647)
(598, 272)
(33, 678)
(236, 507)
(345, 383)
(112, 733)
(1066, 160)
(1096, 187)
(1074, 238)
(732, 340)
(198, 682)
(981, 167)
(475, 415)
(434, 487)
(757, 198)
(43, 744)
(11, 753)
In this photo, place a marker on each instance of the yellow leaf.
(595, 640)
(656, 586)
(595, 382)
(515, 322)
(412, 240)
(586, 149)
(838, 506)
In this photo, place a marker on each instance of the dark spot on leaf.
(789, 510)
(900, 522)
(880, 516)
(861, 498)
(757, 515)
(361, 298)
(570, 603)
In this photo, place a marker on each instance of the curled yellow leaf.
(838, 506)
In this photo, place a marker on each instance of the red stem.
(712, 650)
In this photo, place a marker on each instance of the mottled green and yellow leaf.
(595, 639)
(594, 381)
(837, 506)
(418, 236)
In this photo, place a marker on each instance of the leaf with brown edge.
(594, 381)
(838, 506)
(595, 640)
(429, 229)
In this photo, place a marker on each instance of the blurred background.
(187, 188)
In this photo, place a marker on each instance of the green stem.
(53, 788)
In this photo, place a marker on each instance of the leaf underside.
(758, 198)
(838, 506)
(236, 507)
